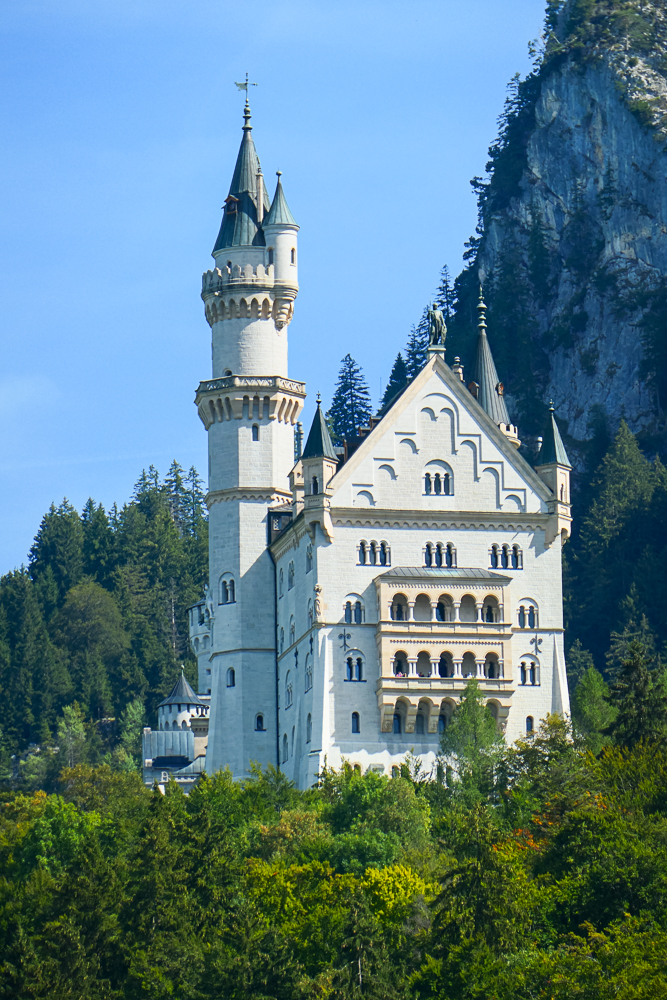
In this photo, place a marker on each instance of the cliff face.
(572, 244)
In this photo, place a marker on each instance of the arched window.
(531, 617)
(231, 678)
(348, 612)
(374, 553)
(270, 256)
(290, 576)
(505, 557)
(398, 728)
(400, 665)
(166, 725)
(292, 748)
(395, 771)
(309, 558)
(358, 613)
(281, 583)
(232, 592)
(363, 554)
(293, 256)
(259, 724)
(532, 673)
(442, 723)
(281, 644)
(314, 486)
(384, 554)
(437, 484)
(494, 557)
(224, 592)
(522, 617)
(349, 669)
(445, 665)
(399, 609)
(428, 486)
(438, 554)
(446, 481)
(419, 724)
(523, 673)
(517, 557)
(428, 555)
(288, 689)
(358, 669)
(255, 432)
(530, 725)
(309, 728)
(309, 672)
(356, 728)
(285, 748)
(450, 556)
(528, 617)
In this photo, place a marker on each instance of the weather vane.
(244, 86)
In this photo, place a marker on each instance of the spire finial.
(246, 110)
(318, 400)
(551, 406)
(481, 309)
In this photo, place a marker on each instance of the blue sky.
(121, 125)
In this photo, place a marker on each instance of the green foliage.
(398, 379)
(351, 404)
(592, 713)
(471, 742)
(100, 618)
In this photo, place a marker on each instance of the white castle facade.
(349, 602)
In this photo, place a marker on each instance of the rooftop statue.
(437, 328)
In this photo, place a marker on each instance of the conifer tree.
(59, 544)
(397, 381)
(445, 297)
(415, 352)
(471, 741)
(639, 696)
(351, 403)
(98, 543)
(592, 713)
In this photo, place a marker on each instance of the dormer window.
(500, 389)
(230, 204)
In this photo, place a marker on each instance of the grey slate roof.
(319, 443)
(553, 449)
(279, 213)
(442, 573)
(176, 743)
(182, 694)
(240, 227)
(486, 376)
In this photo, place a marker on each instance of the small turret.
(486, 387)
(553, 467)
(280, 231)
(318, 467)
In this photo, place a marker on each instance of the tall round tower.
(249, 409)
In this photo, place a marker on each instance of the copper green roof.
(489, 395)
(553, 449)
(319, 443)
(239, 223)
(279, 213)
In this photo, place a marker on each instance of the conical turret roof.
(490, 393)
(279, 213)
(553, 449)
(239, 223)
(182, 694)
(319, 443)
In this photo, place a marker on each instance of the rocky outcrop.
(572, 245)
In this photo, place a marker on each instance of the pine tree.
(397, 381)
(177, 495)
(591, 712)
(351, 403)
(415, 352)
(445, 297)
(640, 698)
(98, 543)
(59, 544)
(471, 742)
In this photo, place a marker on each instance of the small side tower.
(486, 387)
(553, 466)
(318, 467)
(249, 408)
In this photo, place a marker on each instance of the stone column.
(412, 668)
(457, 611)
(411, 611)
(457, 667)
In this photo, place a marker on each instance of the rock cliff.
(572, 239)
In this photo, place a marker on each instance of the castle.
(353, 592)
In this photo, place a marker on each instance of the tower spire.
(489, 388)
